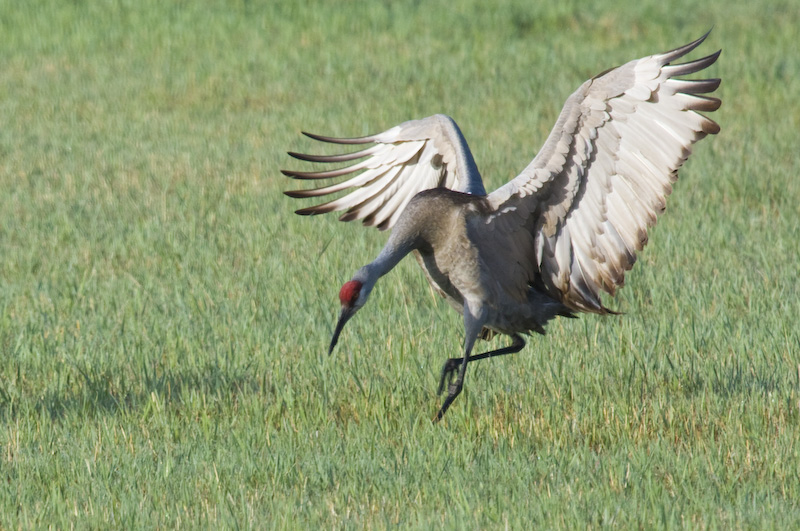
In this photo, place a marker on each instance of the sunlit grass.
(164, 318)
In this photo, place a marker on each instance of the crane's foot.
(452, 364)
(453, 390)
(449, 367)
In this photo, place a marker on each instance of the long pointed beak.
(344, 316)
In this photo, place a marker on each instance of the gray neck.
(396, 248)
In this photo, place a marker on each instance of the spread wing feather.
(405, 160)
(603, 175)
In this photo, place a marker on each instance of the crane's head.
(353, 295)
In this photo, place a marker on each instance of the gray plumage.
(550, 241)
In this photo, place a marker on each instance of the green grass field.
(164, 316)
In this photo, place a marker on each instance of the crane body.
(548, 242)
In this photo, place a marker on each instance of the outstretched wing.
(405, 160)
(603, 175)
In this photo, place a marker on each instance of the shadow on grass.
(88, 392)
(729, 381)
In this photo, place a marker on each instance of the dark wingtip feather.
(705, 103)
(334, 140)
(683, 50)
(696, 86)
(709, 85)
(301, 156)
(315, 210)
(311, 175)
(682, 69)
(710, 127)
(350, 215)
(297, 174)
(299, 194)
(344, 157)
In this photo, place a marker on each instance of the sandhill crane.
(548, 242)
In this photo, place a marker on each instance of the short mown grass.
(164, 317)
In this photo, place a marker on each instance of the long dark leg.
(474, 317)
(453, 363)
(454, 389)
